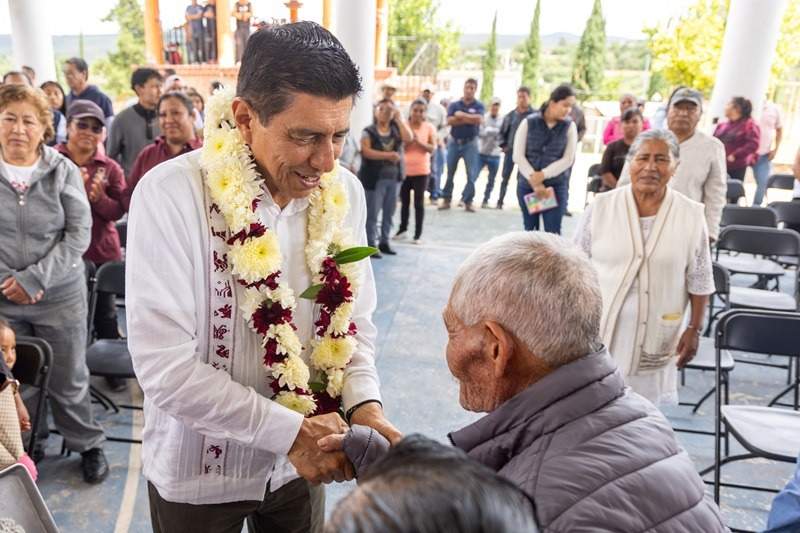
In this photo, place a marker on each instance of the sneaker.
(376, 255)
(567, 214)
(416, 241)
(400, 236)
(485, 205)
(445, 205)
(468, 208)
(384, 247)
(500, 205)
(94, 465)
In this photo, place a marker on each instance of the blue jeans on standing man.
(491, 162)
(469, 151)
(382, 198)
(762, 169)
(552, 217)
(438, 158)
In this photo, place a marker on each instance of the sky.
(624, 18)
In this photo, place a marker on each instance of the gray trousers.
(382, 198)
(297, 507)
(61, 321)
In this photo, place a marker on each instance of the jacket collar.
(570, 392)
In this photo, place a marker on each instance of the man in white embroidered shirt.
(218, 450)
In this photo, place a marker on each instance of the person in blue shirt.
(785, 514)
(194, 18)
(76, 73)
(464, 117)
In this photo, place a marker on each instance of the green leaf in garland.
(311, 292)
(352, 255)
(316, 386)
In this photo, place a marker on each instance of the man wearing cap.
(464, 117)
(388, 90)
(701, 174)
(104, 183)
(490, 146)
(436, 114)
(173, 83)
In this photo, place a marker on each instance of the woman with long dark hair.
(740, 135)
(544, 151)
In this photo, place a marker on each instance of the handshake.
(317, 453)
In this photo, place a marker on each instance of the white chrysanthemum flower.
(253, 298)
(257, 258)
(340, 321)
(335, 383)
(291, 373)
(287, 339)
(283, 295)
(336, 202)
(303, 404)
(332, 353)
(218, 108)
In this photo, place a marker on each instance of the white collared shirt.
(186, 400)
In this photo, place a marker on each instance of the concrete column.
(748, 48)
(356, 31)
(382, 33)
(328, 14)
(31, 41)
(226, 48)
(153, 40)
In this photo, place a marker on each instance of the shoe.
(416, 241)
(445, 205)
(384, 247)
(485, 205)
(567, 214)
(38, 452)
(116, 384)
(376, 255)
(468, 208)
(461, 203)
(401, 236)
(500, 205)
(94, 465)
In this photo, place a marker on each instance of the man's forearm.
(371, 414)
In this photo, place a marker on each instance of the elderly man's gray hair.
(539, 287)
(664, 136)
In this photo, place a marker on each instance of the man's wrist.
(350, 412)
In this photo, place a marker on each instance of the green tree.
(116, 67)
(489, 63)
(587, 71)
(532, 49)
(412, 25)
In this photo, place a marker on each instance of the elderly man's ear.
(500, 345)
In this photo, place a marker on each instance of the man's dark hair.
(473, 81)
(302, 57)
(79, 64)
(524, 89)
(141, 76)
(177, 95)
(744, 106)
(632, 112)
(17, 73)
(422, 486)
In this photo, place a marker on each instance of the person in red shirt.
(740, 135)
(176, 120)
(105, 183)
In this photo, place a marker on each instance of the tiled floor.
(420, 396)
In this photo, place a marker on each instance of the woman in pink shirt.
(613, 131)
(418, 168)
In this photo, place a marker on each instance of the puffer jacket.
(45, 230)
(592, 455)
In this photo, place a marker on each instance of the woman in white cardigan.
(650, 247)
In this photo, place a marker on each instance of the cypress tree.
(587, 72)
(532, 55)
(489, 64)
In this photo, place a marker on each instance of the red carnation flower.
(334, 293)
(326, 404)
(270, 313)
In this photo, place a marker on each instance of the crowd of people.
(573, 394)
(201, 31)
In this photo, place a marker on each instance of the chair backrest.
(759, 241)
(788, 213)
(594, 170)
(722, 279)
(34, 358)
(766, 332)
(781, 181)
(122, 230)
(110, 278)
(735, 191)
(748, 216)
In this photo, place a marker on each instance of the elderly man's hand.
(687, 346)
(314, 464)
(12, 290)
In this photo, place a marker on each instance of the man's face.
(299, 144)
(469, 90)
(427, 95)
(470, 365)
(494, 110)
(75, 78)
(523, 100)
(84, 133)
(16, 79)
(388, 92)
(175, 122)
(682, 117)
(150, 92)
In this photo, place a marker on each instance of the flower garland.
(255, 258)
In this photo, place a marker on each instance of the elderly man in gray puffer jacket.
(523, 322)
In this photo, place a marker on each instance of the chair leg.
(99, 395)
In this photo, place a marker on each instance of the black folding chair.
(32, 369)
(122, 231)
(735, 191)
(109, 357)
(593, 182)
(748, 216)
(765, 432)
(780, 181)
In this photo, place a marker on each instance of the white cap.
(172, 79)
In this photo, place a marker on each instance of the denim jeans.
(508, 169)
(762, 169)
(438, 158)
(382, 198)
(491, 162)
(785, 514)
(470, 153)
(552, 217)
